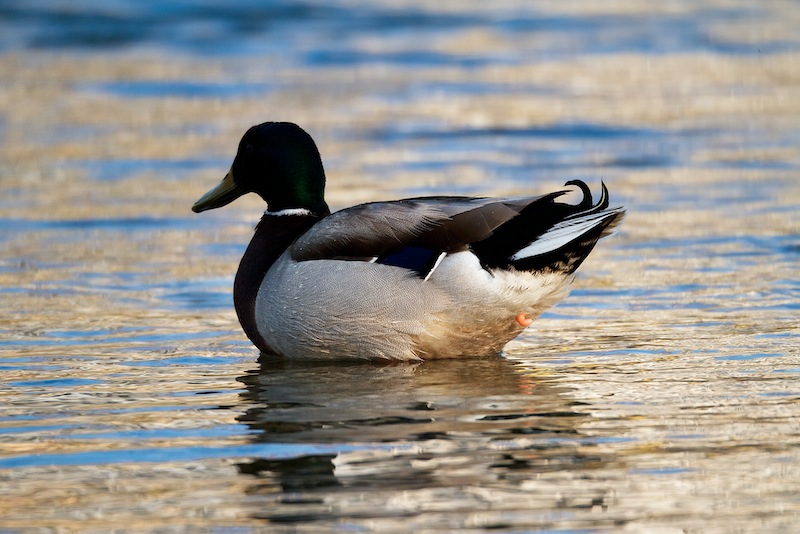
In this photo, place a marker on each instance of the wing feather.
(442, 224)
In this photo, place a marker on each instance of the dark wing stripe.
(416, 259)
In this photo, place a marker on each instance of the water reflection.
(322, 403)
(476, 431)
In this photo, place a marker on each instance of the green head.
(280, 162)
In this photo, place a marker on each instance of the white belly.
(352, 309)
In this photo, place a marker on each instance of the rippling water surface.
(662, 396)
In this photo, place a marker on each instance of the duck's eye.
(249, 149)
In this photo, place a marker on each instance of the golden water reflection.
(662, 395)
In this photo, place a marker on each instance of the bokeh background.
(662, 396)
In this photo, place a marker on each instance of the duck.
(400, 280)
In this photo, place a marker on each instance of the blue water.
(323, 31)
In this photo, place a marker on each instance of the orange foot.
(523, 320)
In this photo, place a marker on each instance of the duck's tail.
(568, 242)
(553, 236)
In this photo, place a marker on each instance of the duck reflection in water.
(399, 427)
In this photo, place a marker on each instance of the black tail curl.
(536, 220)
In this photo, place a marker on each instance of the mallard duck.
(411, 279)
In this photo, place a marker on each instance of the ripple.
(180, 88)
(156, 455)
(54, 383)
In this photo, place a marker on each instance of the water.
(662, 396)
